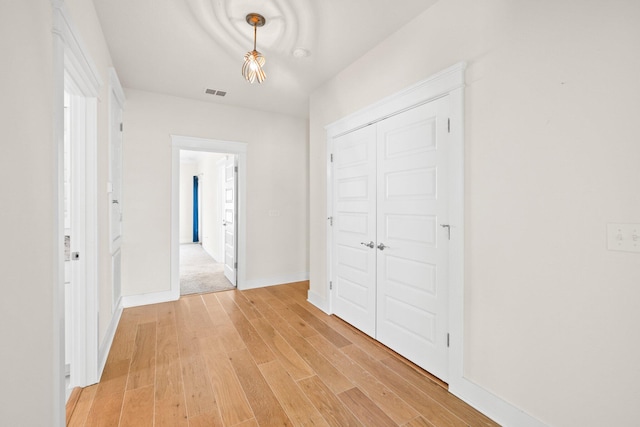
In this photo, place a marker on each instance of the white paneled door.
(354, 226)
(390, 234)
(229, 221)
(412, 246)
(115, 196)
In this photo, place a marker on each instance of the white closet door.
(230, 223)
(354, 226)
(115, 214)
(412, 265)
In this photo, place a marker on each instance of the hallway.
(256, 358)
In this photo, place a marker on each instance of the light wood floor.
(263, 357)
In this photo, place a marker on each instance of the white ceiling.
(182, 47)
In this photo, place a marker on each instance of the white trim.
(449, 82)
(150, 298)
(179, 142)
(456, 243)
(173, 295)
(116, 87)
(319, 301)
(327, 305)
(73, 63)
(493, 406)
(276, 280)
(77, 59)
(420, 93)
(108, 338)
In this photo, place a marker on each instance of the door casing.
(73, 65)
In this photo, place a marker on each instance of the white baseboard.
(151, 298)
(321, 302)
(173, 295)
(105, 346)
(491, 405)
(273, 281)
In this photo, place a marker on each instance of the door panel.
(354, 201)
(115, 176)
(115, 214)
(411, 203)
(230, 223)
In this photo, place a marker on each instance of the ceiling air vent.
(215, 92)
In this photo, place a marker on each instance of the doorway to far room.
(207, 221)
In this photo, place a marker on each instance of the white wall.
(27, 113)
(187, 171)
(552, 156)
(276, 180)
(26, 223)
(210, 233)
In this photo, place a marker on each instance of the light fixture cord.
(255, 34)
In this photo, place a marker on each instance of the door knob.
(369, 245)
(381, 246)
(224, 223)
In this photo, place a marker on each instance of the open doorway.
(207, 225)
(238, 152)
(76, 86)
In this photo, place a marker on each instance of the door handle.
(381, 246)
(369, 245)
(224, 223)
(448, 227)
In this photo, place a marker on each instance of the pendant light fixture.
(253, 60)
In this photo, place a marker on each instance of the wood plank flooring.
(263, 357)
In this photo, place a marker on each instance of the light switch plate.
(623, 237)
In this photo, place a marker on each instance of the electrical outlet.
(623, 237)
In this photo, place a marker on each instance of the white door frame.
(448, 82)
(72, 64)
(179, 142)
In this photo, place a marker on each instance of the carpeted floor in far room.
(199, 273)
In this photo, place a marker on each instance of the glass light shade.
(252, 67)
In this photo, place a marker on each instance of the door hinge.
(449, 125)
(330, 221)
(121, 127)
(447, 339)
(330, 285)
(235, 265)
(331, 157)
(235, 169)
